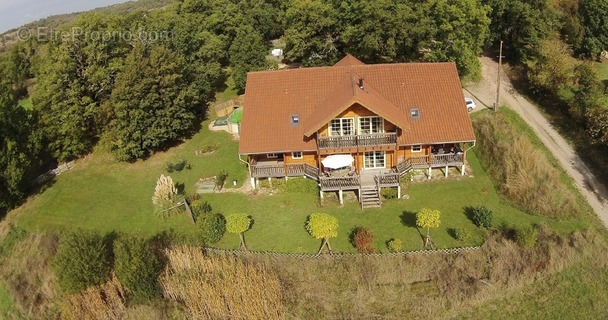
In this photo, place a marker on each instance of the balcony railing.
(339, 183)
(278, 169)
(354, 141)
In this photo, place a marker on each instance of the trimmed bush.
(137, 267)
(526, 237)
(82, 261)
(482, 217)
(395, 245)
(460, 234)
(389, 193)
(363, 240)
(212, 227)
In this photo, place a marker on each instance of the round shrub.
(526, 236)
(363, 240)
(482, 217)
(395, 245)
(461, 234)
(82, 261)
(212, 227)
(137, 267)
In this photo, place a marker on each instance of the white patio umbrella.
(338, 161)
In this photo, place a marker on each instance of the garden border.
(342, 254)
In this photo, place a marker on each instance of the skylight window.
(295, 119)
(415, 113)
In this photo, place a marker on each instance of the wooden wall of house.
(355, 111)
(309, 158)
(405, 152)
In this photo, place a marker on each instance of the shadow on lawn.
(408, 219)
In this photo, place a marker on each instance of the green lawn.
(100, 193)
(105, 195)
(7, 307)
(602, 69)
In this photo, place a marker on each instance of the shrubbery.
(389, 193)
(363, 240)
(82, 261)
(521, 171)
(137, 267)
(460, 234)
(395, 245)
(212, 227)
(482, 216)
(526, 236)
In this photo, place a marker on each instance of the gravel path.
(484, 93)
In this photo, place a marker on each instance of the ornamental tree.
(322, 226)
(238, 223)
(165, 194)
(428, 218)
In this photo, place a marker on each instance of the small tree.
(395, 245)
(482, 217)
(82, 261)
(427, 218)
(137, 267)
(322, 226)
(363, 240)
(212, 227)
(238, 223)
(165, 195)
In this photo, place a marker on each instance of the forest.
(134, 96)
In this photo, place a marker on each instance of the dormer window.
(415, 113)
(295, 119)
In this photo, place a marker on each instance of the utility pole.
(498, 85)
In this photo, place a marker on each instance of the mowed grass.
(103, 194)
(602, 69)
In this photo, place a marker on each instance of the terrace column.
(340, 196)
(462, 171)
(399, 191)
(252, 180)
(446, 170)
(430, 172)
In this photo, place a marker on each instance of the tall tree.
(594, 19)
(322, 226)
(522, 25)
(311, 33)
(154, 102)
(247, 53)
(20, 148)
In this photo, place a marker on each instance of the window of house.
(272, 155)
(342, 127)
(415, 113)
(417, 148)
(295, 119)
(374, 159)
(370, 125)
(296, 155)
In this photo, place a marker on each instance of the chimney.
(361, 84)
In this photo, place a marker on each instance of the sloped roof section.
(318, 94)
(348, 61)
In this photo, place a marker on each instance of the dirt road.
(484, 93)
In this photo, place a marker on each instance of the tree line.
(136, 96)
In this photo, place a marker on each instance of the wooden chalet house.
(383, 120)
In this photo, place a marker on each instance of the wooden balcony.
(354, 143)
(278, 169)
(339, 183)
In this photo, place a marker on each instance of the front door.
(374, 160)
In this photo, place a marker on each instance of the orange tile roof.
(348, 61)
(317, 94)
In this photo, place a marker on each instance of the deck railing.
(353, 141)
(387, 179)
(448, 159)
(279, 169)
(339, 183)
